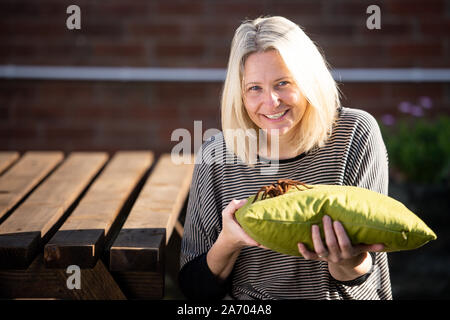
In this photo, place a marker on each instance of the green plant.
(419, 149)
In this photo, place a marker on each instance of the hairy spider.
(278, 188)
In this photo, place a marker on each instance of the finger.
(264, 247)
(330, 238)
(309, 255)
(378, 247)
(249, 241)
(233, 206)
(319, 247)
(345, 245)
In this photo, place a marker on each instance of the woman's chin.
(277, 131)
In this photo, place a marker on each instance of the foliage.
(419, 149)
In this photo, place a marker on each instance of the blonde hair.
(309, 70)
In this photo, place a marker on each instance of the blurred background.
(138, 70)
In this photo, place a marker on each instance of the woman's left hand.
(345, 261)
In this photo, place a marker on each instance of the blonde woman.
(278, 83)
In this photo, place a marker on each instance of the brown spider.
(278, 188)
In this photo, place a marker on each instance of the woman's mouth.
(276, 116)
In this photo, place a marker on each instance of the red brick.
(416, 50)
(355, 55)
(177, 50)
(219, 56)
(411, 7)
(437, 62)
(123, 133)
(288, 7)
(35, 9)
(92, 112)
(249, 9)
(435, 28)
(152, 113)
(154, 29)
(388, 30)
(63, 92)
(183, 91)
(120, 49)
(67, 131)
(354, 50)
(411, 92)
(40, 29)
(362, 91)
(5, 111)
(18, 9)
(98, 28)
(350, 8)
(118, 9)
(180, 7)
(209, 113)
(58, 53)
(20, 130)
(37, 111)
(14, 50)
(333, 30)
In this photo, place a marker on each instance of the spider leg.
(280, 189)
(262, 189)
(256, 196)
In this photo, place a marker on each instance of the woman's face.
(271, 97)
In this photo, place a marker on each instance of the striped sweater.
(354, 154)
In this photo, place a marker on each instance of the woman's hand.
(345, 261)
(232, 231)
(224, 252)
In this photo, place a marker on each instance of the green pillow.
(279, 223)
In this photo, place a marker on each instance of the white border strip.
(110, 73)
(391, 75)
(205, 75)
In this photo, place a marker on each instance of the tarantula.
(278, 188)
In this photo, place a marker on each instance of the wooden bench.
(111, 218)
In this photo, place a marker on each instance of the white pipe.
(392, 75)
(206, 75)
(110, 73)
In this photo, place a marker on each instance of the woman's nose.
(271, 99)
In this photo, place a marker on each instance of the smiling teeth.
(275, 116)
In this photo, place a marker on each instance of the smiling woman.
(275, 67)
(272, 98)
(278, 83)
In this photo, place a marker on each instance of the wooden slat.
(141, 241)
(141, 285)
(24, 176)
(39, 282)
(7, 158)
(21, 235)
(80, 239)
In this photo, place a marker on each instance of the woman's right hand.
(232, 232)
(224, 252)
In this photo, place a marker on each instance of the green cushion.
(368, 217)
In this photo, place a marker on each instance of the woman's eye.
(254, 88)
(283, 83)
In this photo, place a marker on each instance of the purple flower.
(388, 119)
(404, 106)
(417, 111)
(426, 102)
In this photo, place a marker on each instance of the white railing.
(206, 74)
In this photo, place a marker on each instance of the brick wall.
(74, 115)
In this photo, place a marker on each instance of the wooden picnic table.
(110, 217)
